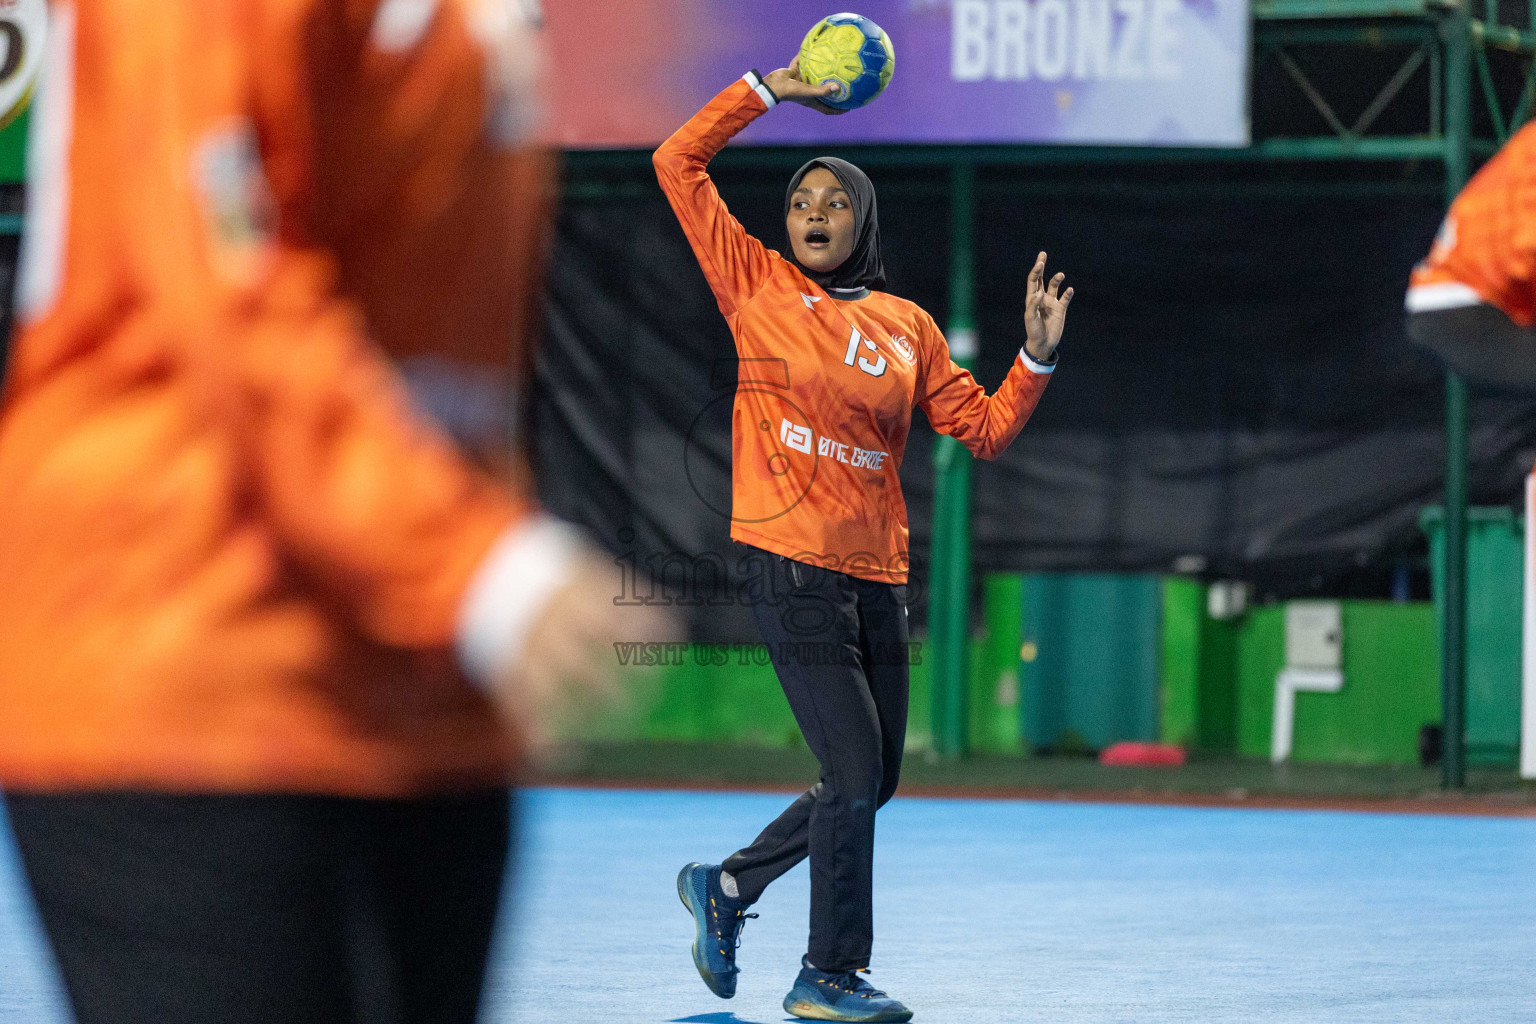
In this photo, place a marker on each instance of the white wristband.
(764, 93)
(1035, 364)
(515, 581)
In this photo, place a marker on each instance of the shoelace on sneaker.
(731, 923)
(851, 983)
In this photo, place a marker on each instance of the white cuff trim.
(1037, 367)
(525, 566)
(764, 93)
(1430, 298)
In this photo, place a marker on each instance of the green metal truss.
(1454, 49)
(1455, 46)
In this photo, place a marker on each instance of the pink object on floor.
(1154, 755)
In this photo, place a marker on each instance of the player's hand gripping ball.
(850, 52)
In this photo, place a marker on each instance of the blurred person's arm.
(409, 188)
(423, 550)
(369, 497)
(415, 164)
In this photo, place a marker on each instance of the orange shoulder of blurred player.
(214, 491)
(1472, 300)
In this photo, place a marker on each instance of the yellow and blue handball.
(852, 52)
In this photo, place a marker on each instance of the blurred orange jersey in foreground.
(233, 553)
(1486, 249)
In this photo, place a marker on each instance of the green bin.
(1495, 595)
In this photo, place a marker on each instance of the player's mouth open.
(817, 239)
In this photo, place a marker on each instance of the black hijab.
(863, 267)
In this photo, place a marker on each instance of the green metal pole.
(949, 603)
(1453, 626)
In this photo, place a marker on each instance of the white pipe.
(1287, 683)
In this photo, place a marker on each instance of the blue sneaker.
(718, 919)
(819, 995)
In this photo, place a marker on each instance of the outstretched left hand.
(1045, 312)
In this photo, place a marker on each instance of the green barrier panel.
(1183, 617)
(1199, 671)
(700, 693)
(13, 149)
(1258, 657)
(995, 664)
(1391, 686)
(1091, 655)
(1495, 592)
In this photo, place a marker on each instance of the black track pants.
(838, 644)
(213, 909)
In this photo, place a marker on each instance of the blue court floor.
(1009, 911)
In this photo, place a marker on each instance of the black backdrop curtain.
(1235, 394)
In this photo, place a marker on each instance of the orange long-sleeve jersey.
(233, 553)
(1486, 249)
(825, 385)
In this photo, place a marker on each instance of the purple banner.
(1120, 72)
(1126, 72)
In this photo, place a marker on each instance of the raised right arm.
(735, 264)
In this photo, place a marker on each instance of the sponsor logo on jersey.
(796, 436)
(799, 438)
(903, 347)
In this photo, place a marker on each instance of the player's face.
(820, 221)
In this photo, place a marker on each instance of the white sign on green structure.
(23, 31)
